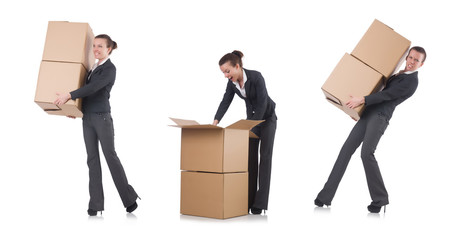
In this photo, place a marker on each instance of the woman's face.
(100, 48)
(233, 73)
(414, 60)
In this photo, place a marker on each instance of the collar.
(96, 65)
(245, 79)
(409, 72)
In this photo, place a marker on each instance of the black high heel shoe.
(93, 212)
(375, 209)
(319, 203)
(256, 211)
(131, 208)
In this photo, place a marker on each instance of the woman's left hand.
(355, 102)
(62, 98)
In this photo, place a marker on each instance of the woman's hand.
(355, 102)
(69, 116)
(62, 98)
(215, 123)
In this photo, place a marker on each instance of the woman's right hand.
(215, 123)
(62, 98)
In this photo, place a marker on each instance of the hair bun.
(238, 53)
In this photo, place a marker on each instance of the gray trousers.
(261, 171)
(368, 130)
(98, 127)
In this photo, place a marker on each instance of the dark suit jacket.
(398, 89)
(96, 91)
(259, 106)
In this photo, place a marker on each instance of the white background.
(167, 64)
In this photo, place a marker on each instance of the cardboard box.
(351, 77)
(59, 77)
(69, 42)
(382, 49)
(214, 195)
(210, 148)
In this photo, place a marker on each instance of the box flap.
(182, 123)
(245, 124)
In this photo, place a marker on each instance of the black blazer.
(96, 91)
(259, 106)
(398, 89)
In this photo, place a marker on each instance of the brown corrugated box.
(69, 42)
(378, 55)
(382, 48)
(210, 148)
(62, 78)
(351, 76)
(214, 195)
(215, 183)
(66, 59)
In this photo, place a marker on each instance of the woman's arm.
(225, 103)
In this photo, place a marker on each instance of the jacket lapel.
(96, 70)
(247, 85)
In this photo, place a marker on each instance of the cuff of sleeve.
(73, 97)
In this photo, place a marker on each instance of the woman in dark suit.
(249, 85)
(98, 127)
(369, 130)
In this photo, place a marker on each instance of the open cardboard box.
(209, 148)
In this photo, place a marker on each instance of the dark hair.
(233, 57)
(110, 43)
(419, 50)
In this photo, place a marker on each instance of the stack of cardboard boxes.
(378, 55)
(214, 164)
(66, 60)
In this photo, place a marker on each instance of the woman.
(370, 128)
(98, 127)
(250, 86)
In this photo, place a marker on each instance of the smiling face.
(414, 60)
(233, 73)
(100, 49)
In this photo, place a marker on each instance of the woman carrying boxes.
(98, 127)
(370, 128)
(249, 85)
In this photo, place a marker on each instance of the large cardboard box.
(210, 148)
(69, 42)
(382, 49)
(351, 77)
(214, 195)
(62, 78)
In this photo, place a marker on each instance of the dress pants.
(259, 197)
(98, 127)
(368, 130)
